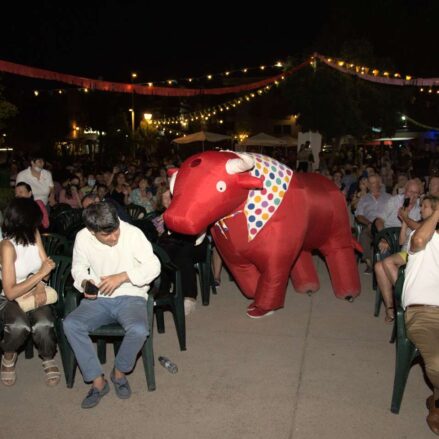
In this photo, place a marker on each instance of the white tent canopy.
(263, 139)
(290, 141)
(201, 136)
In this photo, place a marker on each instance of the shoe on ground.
(368, 270)
(433, 415)
(189, 305)
(251, 307)
(94, 396)
(257, 313)
(217, 283)
(121, 386)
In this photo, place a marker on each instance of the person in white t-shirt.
(39, 179)
(420, 299)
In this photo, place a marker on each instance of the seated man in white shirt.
(39, 179)
(115, 257)
(420, 299)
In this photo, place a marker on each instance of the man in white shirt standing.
(420, 299)
(115, 257)
(39, 179)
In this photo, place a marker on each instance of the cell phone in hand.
(91, 289)
(406, 203)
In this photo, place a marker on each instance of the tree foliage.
(337, 104)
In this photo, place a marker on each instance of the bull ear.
(247, 181)
(244, 163)
(171, 171)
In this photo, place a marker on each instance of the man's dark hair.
(21, 220)
(101, 217)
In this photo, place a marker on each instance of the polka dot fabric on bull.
(261, 204)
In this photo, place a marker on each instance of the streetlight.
(147, 117)
(133, 77)
(131, 110)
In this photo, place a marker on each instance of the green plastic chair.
(68, 223)
(205, 275)
(53, 243)
(107, 333)
(391, 236)
(135, 211)
(406, 352)
(170, 300)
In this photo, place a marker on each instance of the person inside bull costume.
(265, 221)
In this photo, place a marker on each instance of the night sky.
(110, 39)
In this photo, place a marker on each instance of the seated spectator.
(39, 179)
(420, 299)
(433, 186)
(121, 190)
(24, 266)
(184, 253)
(116, 258)
(23, 190)
(368, 212)
(70, 193)
(359, 192)
(400, 184)
(90, 186)
(387, 269)
(142, 196)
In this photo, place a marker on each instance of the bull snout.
(180, 222)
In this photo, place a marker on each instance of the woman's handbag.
(27, 301)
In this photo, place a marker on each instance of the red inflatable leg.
(247, 277)
(344, 272)
(304, 275)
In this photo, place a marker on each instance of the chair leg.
(160, 320)
(116, 346)
(180, 325)
(204, 282)
(378, 301)
(405, 354)
(102, 350)
(148, 363)
(29, 349)
(67, 357)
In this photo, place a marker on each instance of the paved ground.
(319, 368)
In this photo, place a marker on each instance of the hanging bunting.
(93, 84)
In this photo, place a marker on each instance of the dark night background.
(111, 39)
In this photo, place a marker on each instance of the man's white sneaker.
(189, 305)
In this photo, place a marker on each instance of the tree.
(7, 110)
(337, 104)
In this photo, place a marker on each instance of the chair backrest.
(135, 211)
(59, 208)
(60, 279)
(53, 243)
(391, 236)
(69, 222)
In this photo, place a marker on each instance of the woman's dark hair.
(22, 217)
(101, 217)
(25, 185)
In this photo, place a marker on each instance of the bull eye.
(195, 163)
(221, 186)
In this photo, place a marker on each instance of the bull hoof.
(349, 299)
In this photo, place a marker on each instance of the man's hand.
(110, 283)
(88, 296)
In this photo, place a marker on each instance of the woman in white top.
(24, 265)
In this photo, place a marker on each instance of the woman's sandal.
(8, 377)
(53, 375)
(390, 314)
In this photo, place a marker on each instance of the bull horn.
(172, 182)
(244, 163)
